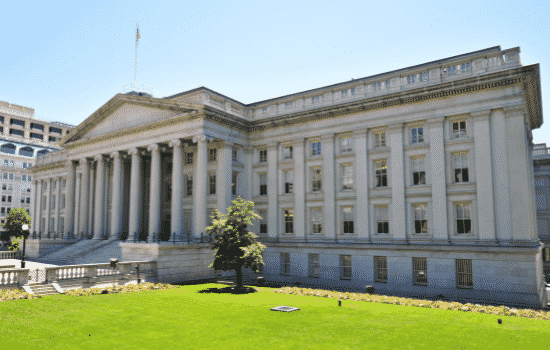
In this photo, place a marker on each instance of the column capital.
(83, 161)
(153, 148)
(133, 151)
(435, 121)
(175, 143)
(201, 138)
(115, 154)
(514, 111)
(99, 157)
(226, 143)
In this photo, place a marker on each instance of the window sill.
(379, 150)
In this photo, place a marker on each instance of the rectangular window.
(381, 269)
(419, 173)
(459, 129)
(380, 86)
(263, 184)
(28, 178)
(189, 158)
(234, 183)
(189, 184)
(23, 177)
(4, 198)
(346, 144)
(289, 221)
(348, 219)
(17, 132)
(463, 219)
(315, 100)
(263, 222)
(417, 135)
(3, 210)
(316, 180)
(10, 176)
(380, 139)
(52, 203)
(287, 152)
(464, 275)
(264, 110)
(420, 221)
(37, 136)
(17, 122)
(52, 138)
(314, 265)
(347, 177)
(235, 154)
(289, 180)
(61, 224)
(187, 221)
(345, 267)
(420, 271)
(460, 162)
(212, 183)
(285, 264)
(4, 186)
(22, 199)
(9, 199)
(381, 173)
(263, 156)
(382, 219)
(37, 126)
(288, 105)
(316, 148)
(212, 154)
(317, 220)
(56, 130)
(546, 254)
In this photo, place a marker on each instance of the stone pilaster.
(299, 188)
(397, 219)
(99, 197)
(224, 176)
(70, 200)
(155, 192)
(48, 205)
(361, 186)
(57, 205)
(38, 200)
(327, 150)
(176, 222)
(439, 182)
(272, 198)
(247, 176)
(200, 190)
(116, 206)
(484, 176)
(135, 196)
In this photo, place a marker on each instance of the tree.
(235, 246)
(13, 227)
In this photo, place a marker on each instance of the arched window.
(26, 151)
(42, 152)
(8, 148)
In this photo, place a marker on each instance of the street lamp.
(25, 227)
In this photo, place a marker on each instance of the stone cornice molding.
(436, 121)
(514, 111)
(360, 133)
(299, 141)
(201, 138)
(396, 127)
(481, 116)
(99, 157)
(328, 137)
(153, 148)
(272, 145)
(227, 144)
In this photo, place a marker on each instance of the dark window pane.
(384, 181)
(386, 227)
(462, 125)
(458, 175)
(465, 174)
(460, 226)
(415, 178)
(417, 226)
(467, 226)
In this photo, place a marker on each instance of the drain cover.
(285, 308)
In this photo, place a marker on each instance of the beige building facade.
(417, 181)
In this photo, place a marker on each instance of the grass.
(185, 318)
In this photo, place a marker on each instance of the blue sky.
(66, 59)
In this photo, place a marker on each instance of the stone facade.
(418, 181)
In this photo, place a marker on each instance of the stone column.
(272, 191)
(48, 205)
(38, 202)
(299, 188)
(135, 195)
(484, 177)
(116, 206)
(520, 163)
(200, 189)
(84, 197)
(99, 197)
(397, 219)
(439, 182)
(154, 193)
(503, 205)
(91, 196)
(327, 150)
(76, 204)
(57, 205)
(361, 186)
(70, 200)
(176, 221)
(224, 177)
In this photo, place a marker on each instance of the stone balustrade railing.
(14, 277)
(90, 271)
(10, 255)
(51, 157)
(541, 153)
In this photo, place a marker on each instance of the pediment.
(125, 112)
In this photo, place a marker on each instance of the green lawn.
(183, 318)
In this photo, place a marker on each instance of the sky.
(66, 59)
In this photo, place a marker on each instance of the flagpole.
(135, 67)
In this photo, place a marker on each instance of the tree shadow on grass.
(230, 290)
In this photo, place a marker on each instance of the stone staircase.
(101, 253)
(43, 289)
(68, 255)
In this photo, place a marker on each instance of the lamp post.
(25, 227)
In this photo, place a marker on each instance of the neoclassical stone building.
(417, 181)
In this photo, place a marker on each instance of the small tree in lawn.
(13, 227)
(235, 246)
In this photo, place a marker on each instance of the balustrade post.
(51, 274)
(23, 277)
